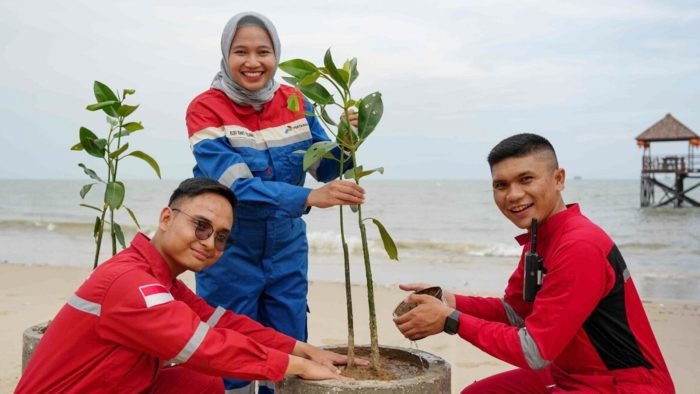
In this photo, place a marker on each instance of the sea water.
(448, 232)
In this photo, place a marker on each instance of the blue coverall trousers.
(263, 275)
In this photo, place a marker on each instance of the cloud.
(587, 73)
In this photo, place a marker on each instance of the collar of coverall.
(158, 265)
(544, 230)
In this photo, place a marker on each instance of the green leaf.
(388, 242)
(123, 133)
(316, 152)
(148, 159)
(359, 172)
(90, 173)
(293, 103)
(91, 207)
(128, 91)
(352, 70)
(101, 105)
(101, 143)
(77, 146)
(333, 70)
(292, 81)
(119, 151)
(85, 189)
(364, 173)
(126, 110)
(88, 140)
(133, 126)
(310, 79)
(326, 117)
(104, 93)
(114, 195)
(298, 68)
(120, 235)
(370, 114)
(98, 227)
(350, 172)
(133, 217)
(317, 93)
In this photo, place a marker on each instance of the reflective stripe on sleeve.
(513, 318)
(192, 345)
(216, 316)
(84, 305)
(532, 353)
(625, 275)
(236, 171)
(209, 133)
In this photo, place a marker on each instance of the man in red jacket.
(585, 330)
(132, 316)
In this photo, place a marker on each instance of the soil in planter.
(393, 365)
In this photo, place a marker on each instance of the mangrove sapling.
(310, 80)
(111, 150)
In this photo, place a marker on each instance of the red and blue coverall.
(259, 155)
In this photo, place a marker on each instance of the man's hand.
(324, 357)
(446, 295)
(331, 359)
(336, 193)
(428, 318)
(307, 369)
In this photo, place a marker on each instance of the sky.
(456, 77)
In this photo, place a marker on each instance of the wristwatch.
(452, 323)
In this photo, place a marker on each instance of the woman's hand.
(353, 117)
(336, 193)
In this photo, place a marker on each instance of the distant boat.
(577, 177)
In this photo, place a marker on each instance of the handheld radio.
(533, 268)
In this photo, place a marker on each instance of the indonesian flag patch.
(155, 294)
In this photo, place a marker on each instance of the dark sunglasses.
(203, 230)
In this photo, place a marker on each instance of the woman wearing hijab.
(243, 135)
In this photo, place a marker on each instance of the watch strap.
(452, 323)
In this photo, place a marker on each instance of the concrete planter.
(30, 339)
(434, 378)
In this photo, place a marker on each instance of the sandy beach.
(33, 294)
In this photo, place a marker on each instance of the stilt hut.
(683, 167)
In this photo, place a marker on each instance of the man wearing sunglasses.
(133, 327)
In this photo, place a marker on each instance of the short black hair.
(520, 145)
(193, 187)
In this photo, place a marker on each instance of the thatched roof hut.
(667, 129)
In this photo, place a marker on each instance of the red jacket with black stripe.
(587, 324)
(130, 316)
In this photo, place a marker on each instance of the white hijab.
(223, 80)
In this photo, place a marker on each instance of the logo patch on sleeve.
(155, 294)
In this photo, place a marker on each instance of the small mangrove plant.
(111, 150)
(314, 81)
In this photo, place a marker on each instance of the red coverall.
(130, 316)
(586, 331)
